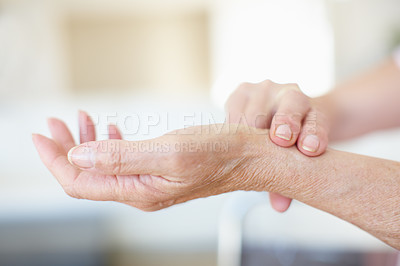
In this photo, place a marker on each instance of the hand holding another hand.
(292, 117)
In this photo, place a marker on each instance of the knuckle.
(313, 128)
(267, 83)
(296, 93)
(177, 159)
(148, 209)
(71, 191)
(244, 85)
(253, 113)
(151, 207)
(310, 131)
(165, 204)
(256, 118)
(122, 190)
(321, 130)
(280, 118)
(233, 117)
(230, 103)
(293, 86)
(244, 88)
(322, 134)
(261, 123)
(291, 118)
(114, 160)
(312, 118)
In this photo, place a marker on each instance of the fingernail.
(311, 143)
(284, 132)
(81, 157)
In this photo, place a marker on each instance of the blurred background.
(162, 65)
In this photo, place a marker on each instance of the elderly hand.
(154, 174)
(292, 117)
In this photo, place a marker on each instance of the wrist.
(271, 166)
(284, 170)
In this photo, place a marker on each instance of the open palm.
(150, 179)
(131, 189)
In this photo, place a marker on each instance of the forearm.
(368, 102)
(361, 190)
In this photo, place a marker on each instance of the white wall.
(285, 41)
(31, 50)
(365, 31)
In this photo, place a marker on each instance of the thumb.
(121, 157)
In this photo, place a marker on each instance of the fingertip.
(86, 127)
(279, 207)
(54, 123)
(45, 147)
(284, 132)
(111, 126)
(312, 145)
(69, 155)
(36, 138)
(82, 116)
(81, 112)
(282, 142)
(280, 203)
(310, 153)
(51, 121)
(113, 132)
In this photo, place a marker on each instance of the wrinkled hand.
(292, 117)
(154, 174)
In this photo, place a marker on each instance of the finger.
(75, 183)
(61, 134)
(55, 159)
(313, 139)
(236, 104)
(119, 157)
(258, 109)
(279, 203)
(87, 130)
(113, 132)
(286, 123)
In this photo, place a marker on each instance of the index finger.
(236, 104)
(55, 159)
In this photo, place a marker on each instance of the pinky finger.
(113, 132)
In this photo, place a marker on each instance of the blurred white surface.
(287, 41)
